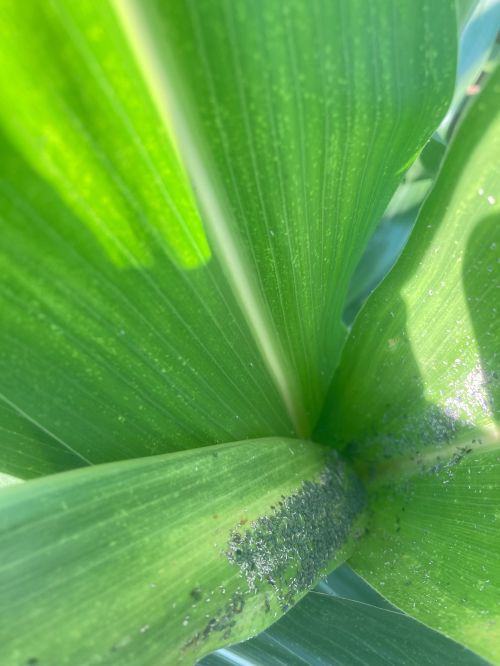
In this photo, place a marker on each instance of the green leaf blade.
(114, 344)
(164, 559)
(301, 139)
(119, 299)
(415, 400)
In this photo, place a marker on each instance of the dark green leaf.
(119, 336)
(344, 582)
(324, 630)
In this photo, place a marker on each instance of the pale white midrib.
(217, 215)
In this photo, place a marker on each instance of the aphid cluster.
(287, 549)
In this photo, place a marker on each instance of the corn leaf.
(119, 335)
(304, 116)
(416, 400)
(118, 300)
(130, 322)
(323, 629)
(163, 559)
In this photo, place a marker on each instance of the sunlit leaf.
(119, 336)
(296, 121)
(186, 189)
(416, 400)
(130, 326)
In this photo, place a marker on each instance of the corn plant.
(194, 431)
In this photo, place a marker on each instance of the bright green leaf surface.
(324, 630)
(124, 331)
(296, 120)
(416, 400)
(119, 336)
(160, 560)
